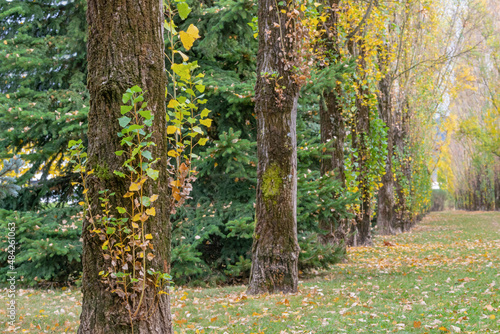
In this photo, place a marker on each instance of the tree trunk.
(385, 213)
(332, 130)
(125, 48)
(400, 141)
(362, 231)
(275, 250)
(362, 235)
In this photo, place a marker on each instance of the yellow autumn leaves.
(189, 36)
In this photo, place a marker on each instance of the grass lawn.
(443, 276)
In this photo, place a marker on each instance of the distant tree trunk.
(385, 213)
(497, 184)
(275, 250)
(401, 209)
(362, 228)
(332, 131)
(362, 231)
(125, 48)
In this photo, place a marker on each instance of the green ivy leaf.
(135, 127)
(124, 121)
(126, 97)
(183, 9)
(145, 113)
(147, 155)
(200, 88)
(136, 89)
(145, 201)
(120, 209)
(125, 109)
(152, 173)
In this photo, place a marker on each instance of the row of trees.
(343, 118)
(472, 176)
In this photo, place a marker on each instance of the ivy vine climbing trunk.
(360, 139)
(275, 250)
(125, 48)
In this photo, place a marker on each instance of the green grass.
(444, 276)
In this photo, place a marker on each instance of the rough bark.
(401, 209)
(125, 48)
(362, 228)
(332, 131)
(275, 248)
(385, 212)
(362, 232)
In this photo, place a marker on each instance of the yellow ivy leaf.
(182, 71)
(135, 225)
(105, 244)
(172, 129)
(172, 153)
(189, 36)
(173, 104)
(206, 122)
(204, 113)
(184, 57)
(136, 218)
(151, 212)
(134, 187)
(153, 198)
(149, 236)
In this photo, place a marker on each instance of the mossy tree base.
(275, 248)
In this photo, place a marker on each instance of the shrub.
(48, 245)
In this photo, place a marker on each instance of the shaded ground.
(444, 276)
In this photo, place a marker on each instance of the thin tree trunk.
(125, 48)
(362, 235)
(362, 228)
(275, 250)
(385, 213)
(400, 138)
(332, 131)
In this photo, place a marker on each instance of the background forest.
(399, 97)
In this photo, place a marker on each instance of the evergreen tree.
(43, 100)
(7, 182)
